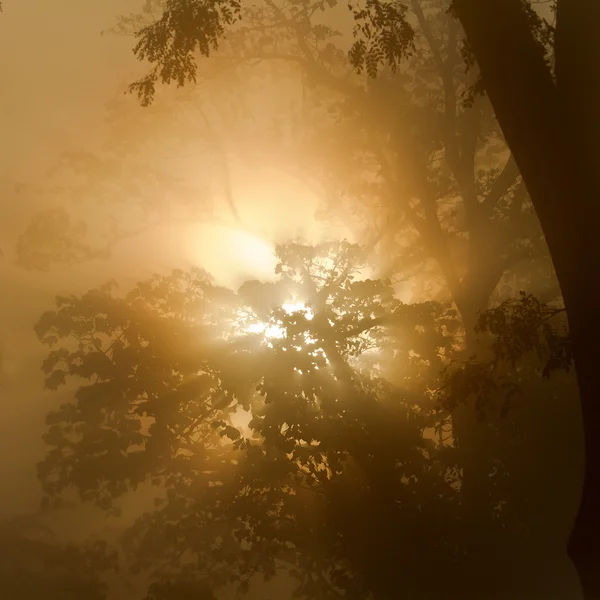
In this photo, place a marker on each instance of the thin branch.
(502, 183)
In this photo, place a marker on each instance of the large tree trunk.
(547, 127)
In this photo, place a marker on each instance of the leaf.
(231, 432)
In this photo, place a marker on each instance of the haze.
(220, 175)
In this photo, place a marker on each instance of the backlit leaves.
(383, 37)
(526, 325)
(528, 336)
(169, 44)
(165, 381)
(307, 448)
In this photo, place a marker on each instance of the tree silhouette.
(549, 123)
(554, 130)
(169, 367)
(291, 426)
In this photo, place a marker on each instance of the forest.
(303, 298)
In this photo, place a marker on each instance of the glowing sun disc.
(231, 254)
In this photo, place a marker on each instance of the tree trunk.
(552, 149)
(478, 565)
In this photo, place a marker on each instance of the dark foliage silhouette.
(291, 426)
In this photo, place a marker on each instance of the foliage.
(332, 477)
(527, 325)
(524, 332)
(169, 43)
(382, 36)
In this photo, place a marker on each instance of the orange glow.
(230, 254)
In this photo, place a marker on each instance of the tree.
(550, 126)
(171, 365)
(449, 198)
(291, 425)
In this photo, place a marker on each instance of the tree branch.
(502, 183)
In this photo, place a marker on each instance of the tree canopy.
(295, 426)
(546, 108)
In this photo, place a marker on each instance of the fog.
(247, 173)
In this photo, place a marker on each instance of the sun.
(275, 329)
(231, 254)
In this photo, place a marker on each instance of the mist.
(284, 314)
